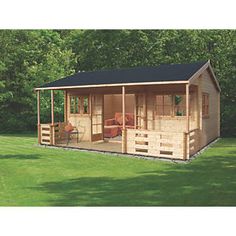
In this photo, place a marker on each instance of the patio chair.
(70, 130)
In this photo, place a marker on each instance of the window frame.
(79, 107)
(205, 105)
(173, 106)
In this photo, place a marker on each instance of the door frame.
(97, 136)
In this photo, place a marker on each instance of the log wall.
(210, 124)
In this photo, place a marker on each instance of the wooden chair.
(70, 130)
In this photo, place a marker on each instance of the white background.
(87, 14)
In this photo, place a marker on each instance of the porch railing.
(50, 134)
(173, 145)
(162, 144)
(193, 140)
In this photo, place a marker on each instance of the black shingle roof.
(165, 72)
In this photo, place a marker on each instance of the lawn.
(36, 176)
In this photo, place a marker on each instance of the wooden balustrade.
(155, 143)
(162, 144)
(193, 141)
(173, 145)
(51, 134)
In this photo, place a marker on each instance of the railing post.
(52, 130)
(38, 116)
(124, 140)
(52, 107)
(65, 106)
(187, 121)
(186, 146)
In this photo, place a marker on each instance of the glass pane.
(71, 104)
(180, 105)
(76, 104)
(85, 104)
(159, 100)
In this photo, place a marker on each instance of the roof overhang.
(112, 85)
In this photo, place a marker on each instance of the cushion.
(69, 127)
(120, 120)
(110, 122)
(130, 119)
(117, 116)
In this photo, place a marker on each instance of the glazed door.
(140, 111)
(97, 103)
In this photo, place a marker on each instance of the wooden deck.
(96, 146)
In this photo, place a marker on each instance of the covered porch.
(163, 127)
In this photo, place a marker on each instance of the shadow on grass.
(210, 181)
(21, 157)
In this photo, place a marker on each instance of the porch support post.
(52, 134)
(38, 115)
(199, 111)
(187, 121)
(124, 140)
(187, 108)
(65, 106)
(52, 107)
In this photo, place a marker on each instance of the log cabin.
(168, 111)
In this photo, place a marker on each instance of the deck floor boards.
(99, 146)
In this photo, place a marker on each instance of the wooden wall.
(113, 104)
(210, 126)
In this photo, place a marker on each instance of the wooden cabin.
(169, 111)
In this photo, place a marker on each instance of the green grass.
(35, 176)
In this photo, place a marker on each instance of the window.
(79, 105)
(205, 105)
(164, 105)
(171, 105)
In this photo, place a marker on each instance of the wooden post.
(123, 106)
(52, 134)
(52, 107)
(185, 136)
(187, 108)
(199, 113)
(38, 114)
(187, 121)
(123, 125)
(200, 102)
(65, 107)
(135, 111)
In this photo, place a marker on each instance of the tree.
(28, 59)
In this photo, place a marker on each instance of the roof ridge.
(142, 67)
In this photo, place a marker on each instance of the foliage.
(34, 176)
(28, 59)
(31, 58)
(178, 99)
